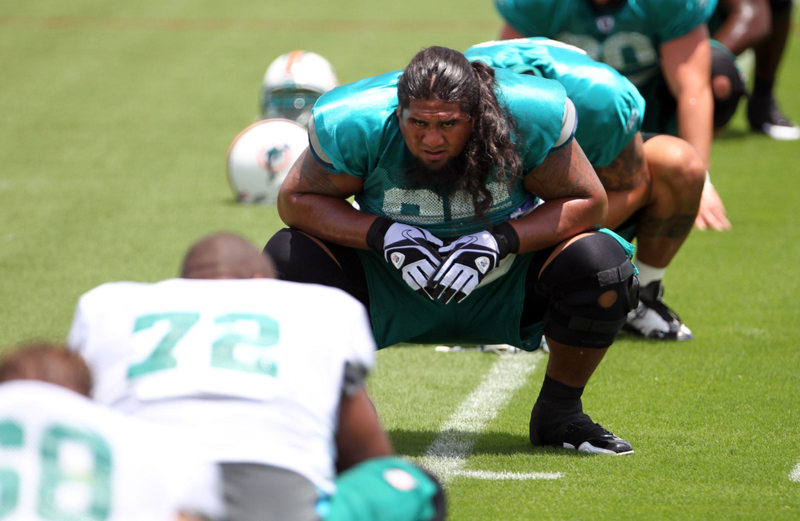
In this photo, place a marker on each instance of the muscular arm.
(313, 200)
(627, 182)
(686, 64)
(748, 22)
(360, 435)
(509, 33)
(575, 200)
(628, 170)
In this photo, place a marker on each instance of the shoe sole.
(588, 448)
(681, 336)
(780, 132)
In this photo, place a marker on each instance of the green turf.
(115, 120)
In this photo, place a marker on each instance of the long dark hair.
(442, 74)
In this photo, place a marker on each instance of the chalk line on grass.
(794, 475)
(449, 452)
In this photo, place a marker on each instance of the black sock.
(555, 390)
(762, 89)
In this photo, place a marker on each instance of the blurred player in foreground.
(64, 456)
(267, 375)
(653, 184)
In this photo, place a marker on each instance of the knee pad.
(723, 64)
(780, 7)
(298, 258)
(591, 287)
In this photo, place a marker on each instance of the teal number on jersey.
(222, 349)
(11, 437)
(162, 358)
(53, 476)
(96, 480)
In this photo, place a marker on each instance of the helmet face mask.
(295, 105)
(293, 83)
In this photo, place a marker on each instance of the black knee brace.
(298, 258)
(780, 7)
(723, 64)
(592, 270)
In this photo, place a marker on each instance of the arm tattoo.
(627, 171)
(566, 173)
(311, 177)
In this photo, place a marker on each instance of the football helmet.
(293, 83)
(260, 157)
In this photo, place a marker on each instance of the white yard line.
(794, 475)
(448, 454)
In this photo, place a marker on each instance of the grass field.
(115, 119)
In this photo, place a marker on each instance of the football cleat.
(293, 83)
(260, 157)
(584, 435)
(765, 116)
(654, 319)
(573, 429)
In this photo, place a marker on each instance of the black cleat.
(573, 429)
(765, 116)
(654, 319)
(584, 435)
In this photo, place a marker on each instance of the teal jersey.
(627, 37)
(717, 18)
(610, 108)
(354, 131)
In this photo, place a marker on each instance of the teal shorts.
(489, 315)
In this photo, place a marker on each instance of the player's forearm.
(575, 200)
(556, 221)
(326, 218)
(696, 121)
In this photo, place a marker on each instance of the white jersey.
(254, 368)
(63, 456)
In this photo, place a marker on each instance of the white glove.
(412, 251)
(467, 260)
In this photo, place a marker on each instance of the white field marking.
(794, 475)
(448, 453)
(520, 476)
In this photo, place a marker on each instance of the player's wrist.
(506, 237)
(377, 231)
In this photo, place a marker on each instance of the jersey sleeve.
(540, 110)
(350, 125)
(79, 330)
(678, 18)
(610, 108)
(356, 333)
(569, 124)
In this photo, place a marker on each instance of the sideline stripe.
(794, 475)
(448, 454)
(232, 24)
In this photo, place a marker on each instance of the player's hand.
(467, 260)
(712, 212)
(412, 251)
